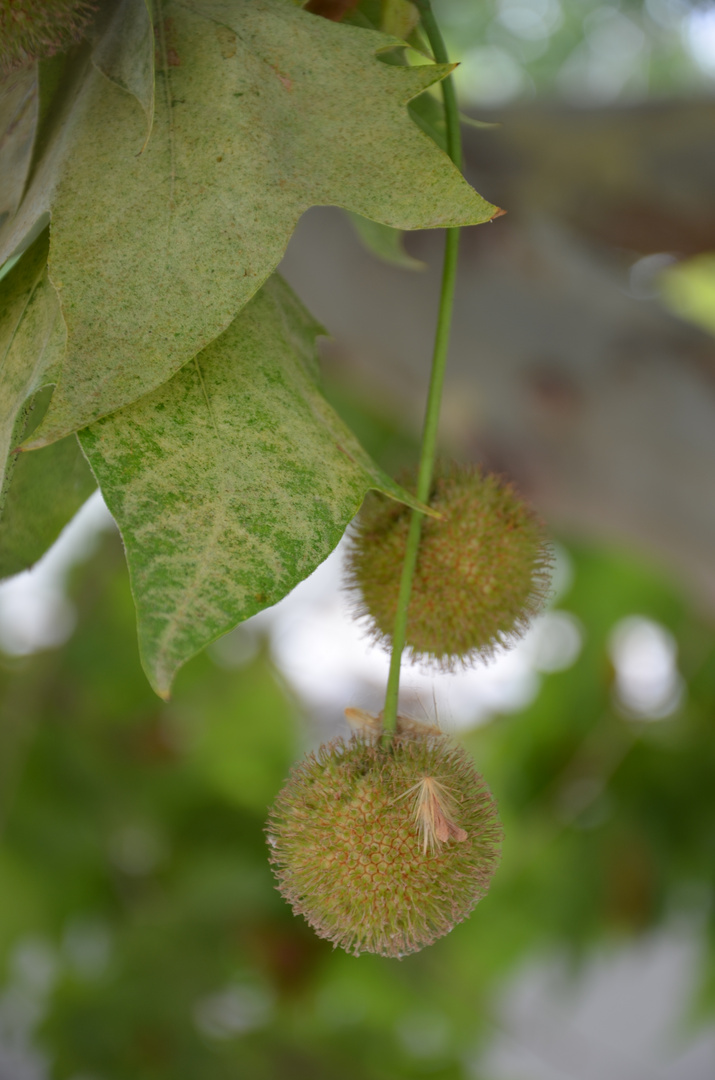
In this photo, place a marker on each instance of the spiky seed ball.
(384, 851)
(482, 573)
(34, 29)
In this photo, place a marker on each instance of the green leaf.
(55, 89)
(44, 105)
(39, 493)
(32, 339)
(52, 81)
(124, 52)
(387, 243)
(231, 482)
(18, 120)
(399, 17)
(428, 113)
(384, 242)
(44, 491)
(262, 111)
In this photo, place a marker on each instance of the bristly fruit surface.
(355, 852)
(482, 573)
(34, 29)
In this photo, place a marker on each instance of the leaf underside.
(18, 121)
(32, 339)
(46, 490)
(231, 482)
(261, 111)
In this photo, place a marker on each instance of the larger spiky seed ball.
(482, 571)
(350, 854)
(33, 29)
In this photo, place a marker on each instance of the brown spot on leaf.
(227, 42)
(344, 451)
(165, 53)
(283, 78)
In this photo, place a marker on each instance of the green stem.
(434, 397)
(451, 110)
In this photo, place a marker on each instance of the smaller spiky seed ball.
(482, 573)
(34, 29)
(384, 851)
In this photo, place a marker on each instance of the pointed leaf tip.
(231, 482)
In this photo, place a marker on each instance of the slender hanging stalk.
(434, 397)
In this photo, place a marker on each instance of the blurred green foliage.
(586, 50)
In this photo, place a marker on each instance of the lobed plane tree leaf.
(231, 482)
(262, 110)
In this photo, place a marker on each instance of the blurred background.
(140, 932)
